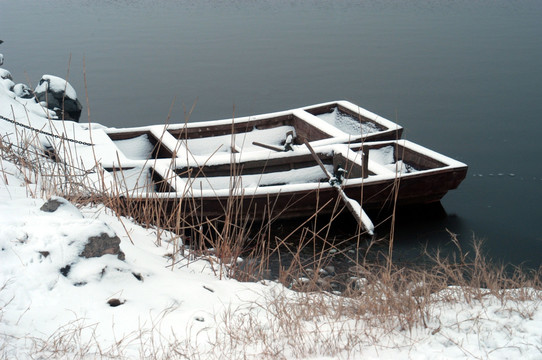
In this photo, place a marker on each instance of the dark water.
(463, 77)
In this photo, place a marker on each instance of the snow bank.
(45, 286)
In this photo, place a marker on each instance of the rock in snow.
(102, 244)
(7, 82)
(52, 205)
(96, 246)
(4, 74)
(23, 91)
(58, 95)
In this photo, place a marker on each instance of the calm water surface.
(462, 77)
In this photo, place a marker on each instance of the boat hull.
(382, 194)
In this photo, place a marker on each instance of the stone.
(330, 269)
(23, 91)
(102, 244)
(96, 246)
(115, 302)
(138, 276)
(4, 74)
(62, 205)
(58, 95)
(65, 270)
(51, 205)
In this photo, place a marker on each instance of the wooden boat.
(293, 185)
(261, 166)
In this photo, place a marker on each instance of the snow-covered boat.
(291, 184)
(264, 166)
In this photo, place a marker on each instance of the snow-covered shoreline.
(188, 310)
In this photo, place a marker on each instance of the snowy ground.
(189, 310)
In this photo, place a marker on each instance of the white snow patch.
(136, 180)
(348, 123)
(137, 148)
(242, 142)
(385, 157)
(306, 175)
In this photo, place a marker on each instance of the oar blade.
(358, 212)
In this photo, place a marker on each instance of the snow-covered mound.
(47, 287)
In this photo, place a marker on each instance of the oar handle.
(269, 147)
(318, 160)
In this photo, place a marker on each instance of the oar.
(269, 147)
(287, 143)
(352, 205)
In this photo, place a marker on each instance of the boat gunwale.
(333, 131)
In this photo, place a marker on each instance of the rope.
(44, 132)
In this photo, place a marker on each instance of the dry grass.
(384, 302)
(377, 298)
